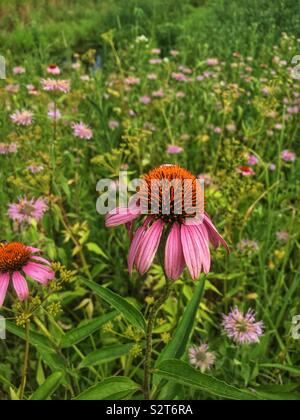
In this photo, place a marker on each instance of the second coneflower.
(185, 237)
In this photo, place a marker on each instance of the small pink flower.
(12, 88)
(282, 236)
(6, 149)
(53, 69)
(82, 131)
(26, 211)
(76, 66)
(35, 169)
(156, 51)
(272, 167)
(155, 61)
(22, 118)
(32, 90)
(245, 171)
(113, 124)
(288, 156)
(145, 100)
(172, 149)
(53, 112)
(158, 93)
(18, 261)
(212, 62)
(53, 85)
(180, 77)
(252, 160)
(152, 76)
(19, 70)
(132, 80)
(201, 357)
(242, 329)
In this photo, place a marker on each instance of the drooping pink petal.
(191, 250)
(33, 250)
(136, 243)
(214, 236)
(39, 272)
(121, 216)
(174, 258)
(41, 259)
(4, 282)
(203, 241)
(148, 247)
(20, 286)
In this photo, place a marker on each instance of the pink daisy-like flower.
(25, 211)
(212, 62)
(19, 70)
(201, 357)
(186, 238)
(53, 69)
(145, 100)
(172, 149)
(6, 149)
(242, 329)
(53, 85)
(32, 90)
(16, 262)
(288, 156)
(35, 169)
(180, 77)
(282, 236)
(245, 170)
(82, 131)
(113, 124)
(22, 117)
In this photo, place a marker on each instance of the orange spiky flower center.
(13, 257)
(170, 193)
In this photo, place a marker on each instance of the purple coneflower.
(242, 329)
(288, 156)
(113, 124)
(252, 160)
(172, 149)
(53, 69)
(186, 237)
(19, 70)
(53, 85)
(18, 261)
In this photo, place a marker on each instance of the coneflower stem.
(26, 360)
(151, 323)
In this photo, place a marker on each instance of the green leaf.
(107, 354)
(175, 349)
(129, 312)
(35, 339)
(286, 368)
(182, 373)
(48, 387)
(75, 336)
(92, 247)
(115, 388)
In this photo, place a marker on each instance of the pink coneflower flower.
(282, 236)
(25, 211)
(252, 160)
(288, 156)
(186, 237)
(242, 329)
(245, 170)
(201, 357)
(278, 127)
(145, 100)
(113, 124)
(156, 51)
(19, 70)
(53, 85)
(53, 69)
(172, 149)
(12, 88)
(22, 118)
(18, 261)
(82, 131)
(32, 90)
